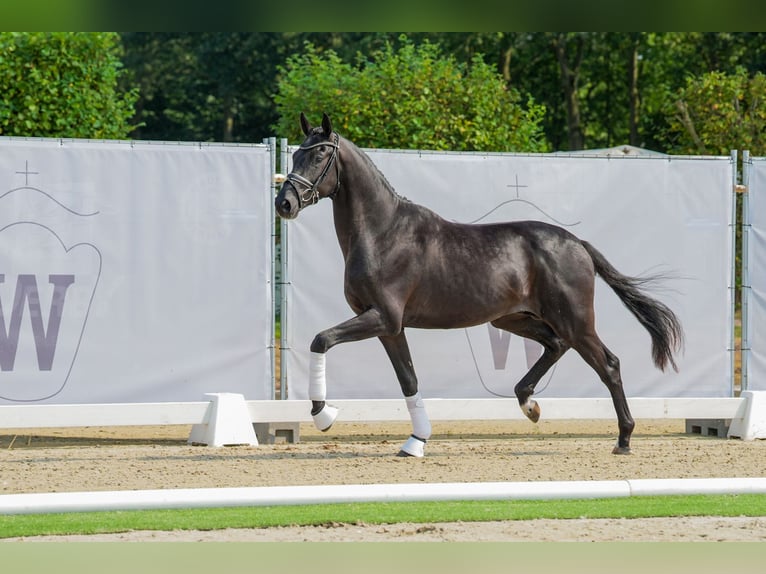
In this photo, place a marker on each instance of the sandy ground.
(67, 460)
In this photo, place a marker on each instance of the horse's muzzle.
(287, 202)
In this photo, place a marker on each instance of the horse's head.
(312, 161)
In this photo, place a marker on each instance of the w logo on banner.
(500, 343)
(502, 362)
(45, 338)
(46, 290)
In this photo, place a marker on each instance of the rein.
(310, 195)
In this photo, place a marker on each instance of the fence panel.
(646, 214)
(754, 297)
(134, 272)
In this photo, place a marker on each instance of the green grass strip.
(380, 513)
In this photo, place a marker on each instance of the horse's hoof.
(413, 446)
(621, 450)
(323, 419)
(532, 410)
(402, 454)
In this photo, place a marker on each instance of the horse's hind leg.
(399, 353)
(607, 365)
(553, 348)
(525, 388)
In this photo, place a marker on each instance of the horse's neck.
(365, 204)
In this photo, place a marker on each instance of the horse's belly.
(444, 322)
(455, 312)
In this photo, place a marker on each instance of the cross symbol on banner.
(26, 173)
(516, 185)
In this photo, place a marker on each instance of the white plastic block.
(228, 423)
(753, 423)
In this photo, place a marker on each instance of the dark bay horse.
(405, 266)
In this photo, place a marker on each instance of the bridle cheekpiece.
(310, 194)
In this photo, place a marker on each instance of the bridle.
(310, 194)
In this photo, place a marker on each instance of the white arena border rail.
(61, 502)
(228, 419)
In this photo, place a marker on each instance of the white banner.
(756, 308)
(133, 272)
(647, 215)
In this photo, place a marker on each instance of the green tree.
(63, 85)
(205, 86)
(410, 97)
(717, 112)
(616, 86)
(602, 89)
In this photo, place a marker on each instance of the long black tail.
(662, 324)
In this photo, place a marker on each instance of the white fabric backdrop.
(645, 214)
(161, 254)
(756, 363)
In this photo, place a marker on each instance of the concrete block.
(708, 427)
(272, 433)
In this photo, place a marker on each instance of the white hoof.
(413, 446)
(323, 419)
(532, 410)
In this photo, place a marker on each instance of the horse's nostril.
(285, 206)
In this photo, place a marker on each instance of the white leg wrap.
(421, 426)
(318, 392)
(317, 383)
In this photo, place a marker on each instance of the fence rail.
(352, 410)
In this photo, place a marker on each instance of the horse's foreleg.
(399, 353)
(363, 326)
(324, 415)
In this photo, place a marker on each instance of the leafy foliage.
(411, 97)
(457, 91)
(221, 85)
(717, 112)
(205, 86)
(63, 85)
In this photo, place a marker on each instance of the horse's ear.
(326, 125)
(305, 125)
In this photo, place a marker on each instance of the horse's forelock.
(315, 133)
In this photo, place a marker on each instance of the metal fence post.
(272, 143)
(745, 272)
(284, 348)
